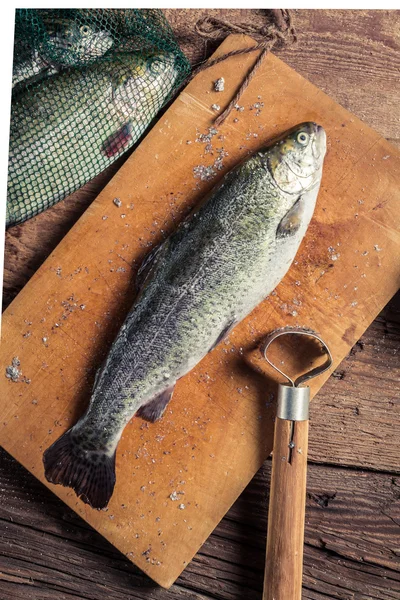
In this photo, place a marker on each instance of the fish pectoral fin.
(154, 409)
(224, 333)
(117, 141)
(291, 222)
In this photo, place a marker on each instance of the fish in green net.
(206, 277)
(75, 43)
(67, 44)
(69, 128)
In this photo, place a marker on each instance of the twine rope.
(280, 30)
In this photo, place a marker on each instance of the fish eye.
(156, 66)
(303, 138)
(84, 29)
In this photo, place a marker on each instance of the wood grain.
(352, 55)
(351, 544)
(79, 273)
(285, 538)
(356, 422)
(29, 244)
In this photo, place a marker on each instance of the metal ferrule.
(293, 403)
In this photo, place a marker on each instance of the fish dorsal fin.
(149, 263)
(154, 410)
(291, 222)
(224, 333)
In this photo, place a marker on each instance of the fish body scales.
(69, 130)
(214, 271)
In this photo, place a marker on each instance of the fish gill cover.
(86, 84)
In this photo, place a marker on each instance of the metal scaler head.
(293, 400)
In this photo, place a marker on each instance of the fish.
(78, 43)
(67, 43)
(220, 263)
(32, 69)
(65, 133)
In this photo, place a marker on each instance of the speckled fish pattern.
(222, 261)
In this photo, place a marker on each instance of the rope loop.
(281, 30)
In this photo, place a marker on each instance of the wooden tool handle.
(285, 540)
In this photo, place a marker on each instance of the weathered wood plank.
(352, 533)
(352, 55)
(355, 419)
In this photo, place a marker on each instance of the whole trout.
(207, 276)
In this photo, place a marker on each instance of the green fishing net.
(86, 85)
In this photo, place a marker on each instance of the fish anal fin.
(224, 333)
(154, 409)
(291, 222)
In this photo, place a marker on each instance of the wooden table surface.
(353, 502)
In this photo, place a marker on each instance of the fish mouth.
(320, 141)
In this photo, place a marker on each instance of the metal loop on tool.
(298, 331)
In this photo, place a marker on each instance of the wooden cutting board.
(217, 430)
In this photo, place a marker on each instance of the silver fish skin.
(206, 277)
(80, 122)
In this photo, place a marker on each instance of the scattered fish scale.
(204, 173)
(219, 85)
(12, 371)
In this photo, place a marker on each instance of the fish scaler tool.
(285, 539)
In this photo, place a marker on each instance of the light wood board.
(218, 428)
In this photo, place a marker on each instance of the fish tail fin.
(90, 473)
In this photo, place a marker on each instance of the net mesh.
(86, 85)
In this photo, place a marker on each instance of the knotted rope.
(281, 30)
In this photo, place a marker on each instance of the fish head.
(74, 42)
(295, 160)
(160, 69)
(153, 71)
(141, 84)
(91, 43)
